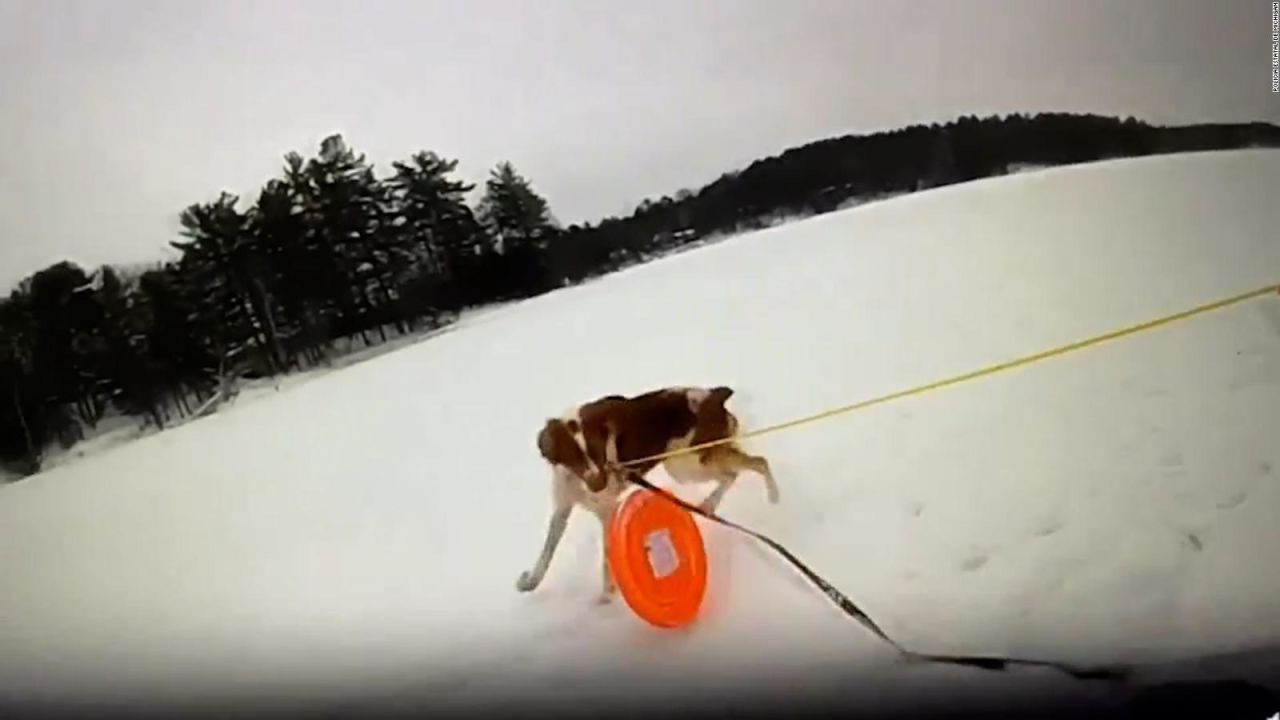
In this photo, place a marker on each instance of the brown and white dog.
(586, 445)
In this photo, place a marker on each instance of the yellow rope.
(989, 370)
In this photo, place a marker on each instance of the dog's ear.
(556, 442)
(551, 441)
(557, 445)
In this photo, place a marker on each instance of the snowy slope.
(360, 534)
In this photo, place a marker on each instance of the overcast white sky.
(119, 113)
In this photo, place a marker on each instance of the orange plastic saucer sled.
(658, 559)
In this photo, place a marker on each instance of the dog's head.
(560, 443)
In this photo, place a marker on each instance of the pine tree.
(221, 262)
(298, 272)
(433, 217)
(517, 219)
(346, 210)
(512, 212)
(128, 371)
(63, 379)
(184, 359)
(22, 434)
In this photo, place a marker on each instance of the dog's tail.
(719, 395)
(732, 419)
(714, 421)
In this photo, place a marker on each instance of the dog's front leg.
(609, 587)
(531, 578)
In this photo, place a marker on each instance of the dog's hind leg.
(563, 506)
(760, 466)
(723, 483)
(731, 462)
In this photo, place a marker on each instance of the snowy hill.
(357, 538)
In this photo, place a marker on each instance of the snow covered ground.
(355, 539)
(115, 429)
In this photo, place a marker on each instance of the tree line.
(331, 251)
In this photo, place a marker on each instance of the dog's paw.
(526, 582)
(604, 598)
(773, 495)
